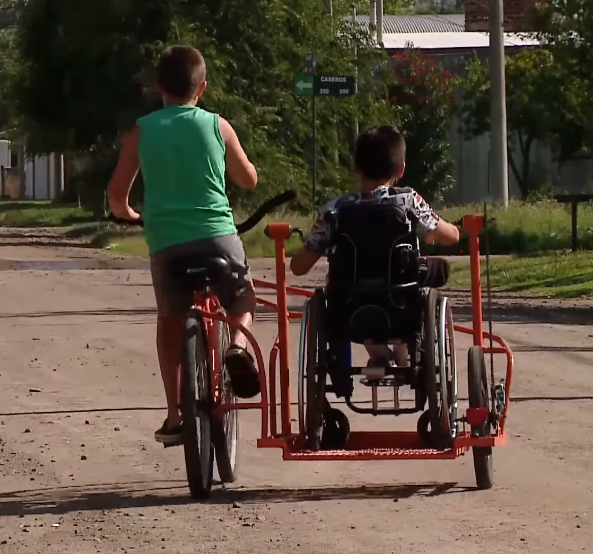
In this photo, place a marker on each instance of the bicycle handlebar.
(265, 209)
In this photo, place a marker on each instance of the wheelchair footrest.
(386, 376)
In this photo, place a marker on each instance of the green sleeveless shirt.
(182, 161)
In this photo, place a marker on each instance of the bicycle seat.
(202, 272)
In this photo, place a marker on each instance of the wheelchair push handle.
(459, 222)
(283, 231)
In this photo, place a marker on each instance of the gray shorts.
(174, 297)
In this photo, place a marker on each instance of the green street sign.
(303, 85)
(334, 85)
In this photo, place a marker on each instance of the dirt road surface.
(80, 472)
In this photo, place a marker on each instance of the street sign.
(303, 85)
(334, 85)
(312, 85)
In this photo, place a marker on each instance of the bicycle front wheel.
(196, 408)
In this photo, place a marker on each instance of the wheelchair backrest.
(372, 288)
(372, 246)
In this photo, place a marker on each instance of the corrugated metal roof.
(396, 24)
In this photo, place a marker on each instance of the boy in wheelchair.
(370, 238)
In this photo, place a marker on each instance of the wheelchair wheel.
(437, 389)
(447, 369)
(316, 372)
(478, 398)
(196, 407)
(225, 427)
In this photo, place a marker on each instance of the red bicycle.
(208, 405)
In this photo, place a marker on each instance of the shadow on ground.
(63, 500)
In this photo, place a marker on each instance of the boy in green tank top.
(183, 153)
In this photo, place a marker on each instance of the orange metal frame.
(361, 445)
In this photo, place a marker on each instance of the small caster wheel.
(423, 428)
(336, 430)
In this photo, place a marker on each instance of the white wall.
(39, 180)
(472, 166)
(4, 153)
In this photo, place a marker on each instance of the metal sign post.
(312, 85)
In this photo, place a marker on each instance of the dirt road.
(80, 473)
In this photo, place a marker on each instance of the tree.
(423, 99)
(539, 95)
(7, 57)
(390, 7)
(566, 27)
(81, 81)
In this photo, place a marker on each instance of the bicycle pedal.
(173, 444)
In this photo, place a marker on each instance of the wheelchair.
(376, 293)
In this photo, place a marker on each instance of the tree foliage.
(7, 57)
(78, 83)
(539, 92)
(566, 27)
(423, 97)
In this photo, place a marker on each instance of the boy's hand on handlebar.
(129, 221)
(127, 214)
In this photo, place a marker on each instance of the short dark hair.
(180, 71)
(380, 153)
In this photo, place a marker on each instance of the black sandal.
(169, 435)
(242, 372)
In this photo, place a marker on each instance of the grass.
(558, 274)
(526, 228)
(537, 234)
(39, 213)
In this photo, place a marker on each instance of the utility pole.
(354, 18)
(499, 169)
(373, 19)
(380, 12)
(22, 161)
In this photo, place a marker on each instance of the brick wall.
(517, 15)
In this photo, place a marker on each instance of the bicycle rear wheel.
(225, 427)
(196, 407)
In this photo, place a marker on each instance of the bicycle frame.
(362, 445)
(208, 305)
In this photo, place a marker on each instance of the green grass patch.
(525, 228)
(35, 213)
(560, 274)
(538, 234)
